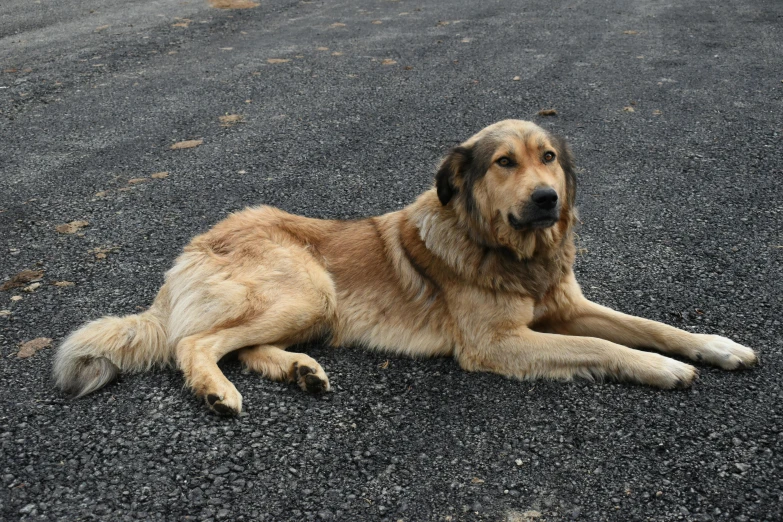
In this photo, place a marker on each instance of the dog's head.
(512, 176)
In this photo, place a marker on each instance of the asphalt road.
(674, 111)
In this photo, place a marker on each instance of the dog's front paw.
(668, 374)
(725, 353)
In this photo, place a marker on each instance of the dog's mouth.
(534, 222)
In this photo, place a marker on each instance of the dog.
(479, 268)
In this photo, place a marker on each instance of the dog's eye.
(549, 156)
(505, 161)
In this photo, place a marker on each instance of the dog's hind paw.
(227, 404)
(725, 353)
(311, 380)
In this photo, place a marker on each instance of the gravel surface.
(674, 112)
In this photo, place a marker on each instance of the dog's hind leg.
(279, 365)
(288, 317)
(197, 357)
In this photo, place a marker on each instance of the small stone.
(16, 298)
(31, 288)
(27, 509)
(659, 494)
(742, 466)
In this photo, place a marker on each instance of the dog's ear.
(566, 160)
(450, 172)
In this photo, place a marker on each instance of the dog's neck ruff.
(531, 271)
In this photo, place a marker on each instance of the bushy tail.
(93, 355)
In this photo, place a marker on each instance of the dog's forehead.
(519, 132)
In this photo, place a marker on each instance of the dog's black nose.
(545, 198)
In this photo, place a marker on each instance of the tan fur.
(448, 275)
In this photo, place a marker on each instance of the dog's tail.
(96, 353)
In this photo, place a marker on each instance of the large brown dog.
(478, 267)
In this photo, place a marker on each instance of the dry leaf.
(388, 61)
(64, 284)
(278, 60)
(656, 112)
(137, 180)
(384, 364)
(11, 70)
(321, 48)
(100, 252)
(16, 298)
(408, 67)
(160, 175)
(100, 194)
(630, 32)
(376, 22)
(188, 144)
(442, 23)
(70, 228)
(337, 53)
(233, 4)
(22, 278)
(226, 48)
(180, 24)
(101, 28)
(476, 480)
(31, 288)
(231, 119)
(337, 24)
(466, 40)
(5, 313)
(30, 347)
(547, 112)
(629, 109)
(516, 78)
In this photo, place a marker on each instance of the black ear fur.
(566, 160)
(452, 167)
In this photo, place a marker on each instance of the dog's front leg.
(528, 355)
(590, 319)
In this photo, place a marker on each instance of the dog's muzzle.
(542, 211)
